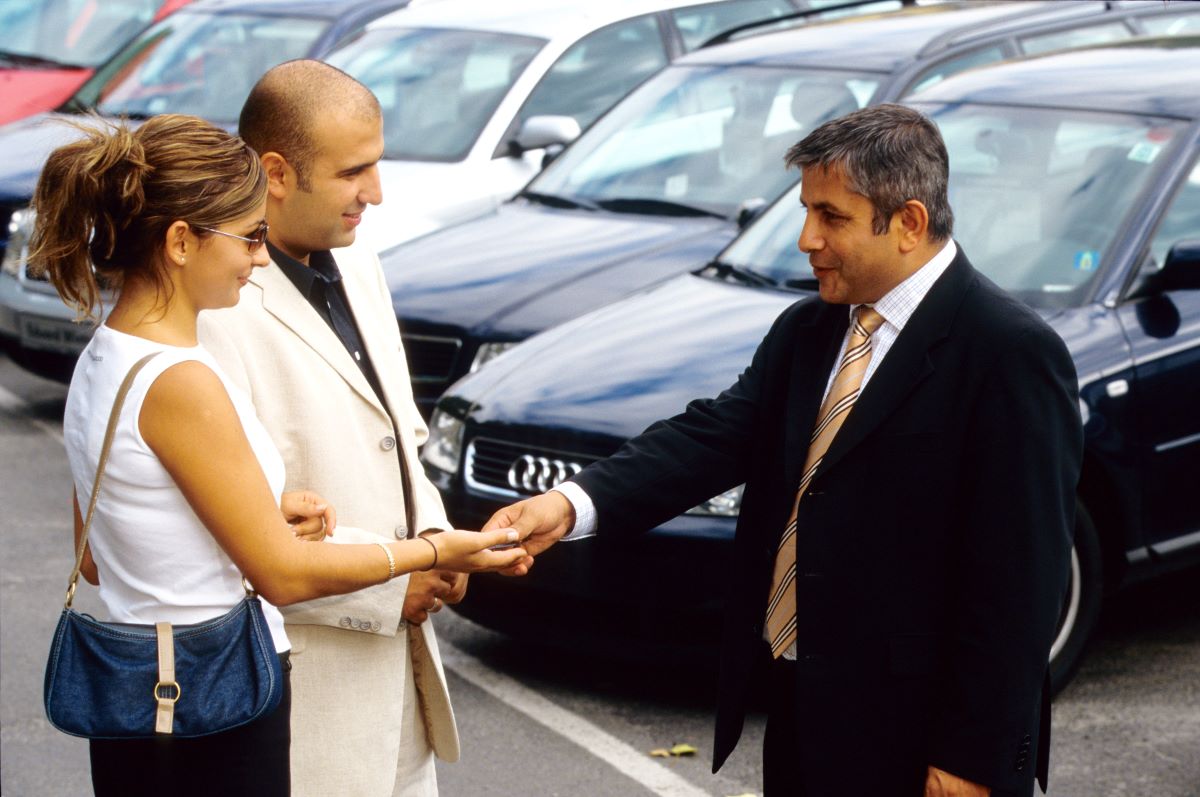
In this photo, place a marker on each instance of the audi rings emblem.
(539, 474)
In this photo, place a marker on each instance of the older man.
(910, 444)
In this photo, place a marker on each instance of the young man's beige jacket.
(359, 727)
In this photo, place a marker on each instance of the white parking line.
(600, 743)
(13, 403)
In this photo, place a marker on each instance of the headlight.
(1084, 413)
(443, 450)
(490, 351)
(727, 504)
(20, 227)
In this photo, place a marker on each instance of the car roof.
(885, 42)
(1158, 77)
(545, 19)
(324, 9)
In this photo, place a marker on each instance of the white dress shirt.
(896, 306)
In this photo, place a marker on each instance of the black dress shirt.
(320, 282)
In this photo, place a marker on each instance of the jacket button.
(387, 443)
(376, 626)
(401, 532)
(344, 622)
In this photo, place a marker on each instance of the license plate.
(49, 334)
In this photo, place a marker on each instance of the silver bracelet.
(391, 561)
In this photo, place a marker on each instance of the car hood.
(618, 369)
(525, 268)
(30, 91)
(615, 371)
(24, 146)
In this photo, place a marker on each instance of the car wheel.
(1082, 606)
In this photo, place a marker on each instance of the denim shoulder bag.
(131, 681)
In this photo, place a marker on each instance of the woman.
(171, 217)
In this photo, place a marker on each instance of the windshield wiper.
(556, 201)
(655, 207)
(22, 59)
(728, 271)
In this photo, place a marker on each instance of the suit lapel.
(384, 359)
(907, 362)
(281, 299)
(816, 343)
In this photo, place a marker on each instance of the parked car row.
(1075, 179)
(644, 262)
(473, 94)
(664, 180)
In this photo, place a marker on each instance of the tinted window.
(1080, 37)
(945, 69)
(81, 32)
(698, 24)
(707, 137)
(438, 87)
(598, 70)
(195, 63)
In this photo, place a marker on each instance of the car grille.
(514, 470)
(430, 358)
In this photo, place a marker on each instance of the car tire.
(1081, 609)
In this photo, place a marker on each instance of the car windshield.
(196, 63)
(438, 87)
(1038, 196)
(707, 138)
(69, 32)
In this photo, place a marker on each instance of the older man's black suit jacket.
(933, 544)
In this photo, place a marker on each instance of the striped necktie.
(847, 383)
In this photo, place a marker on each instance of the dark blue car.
(662, 180)
(1075, 180)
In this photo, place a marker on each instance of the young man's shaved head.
(283, 105)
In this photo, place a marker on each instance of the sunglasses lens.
(258, 238)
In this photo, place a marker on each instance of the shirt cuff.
(585, 511)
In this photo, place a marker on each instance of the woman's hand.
(469, 551)
(310, 516)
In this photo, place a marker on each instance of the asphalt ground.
(538, 720)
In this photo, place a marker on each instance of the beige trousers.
(356, 728)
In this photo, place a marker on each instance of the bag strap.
(118, 402)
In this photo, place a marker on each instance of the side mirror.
(1180, 272)
(544, 132)
(750, 210)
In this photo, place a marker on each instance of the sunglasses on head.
(254, 241)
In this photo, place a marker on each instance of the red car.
(51, 47)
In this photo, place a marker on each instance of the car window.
(698, 24)
(1037, 197)
(1034, 44)
(940, 71)
(76, 32)
(707, 137)
(197, 63)
(598, 70)
(438, 87)
(1171, 24)
(1181, 221)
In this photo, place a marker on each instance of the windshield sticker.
(1087, 260)
(677, 185)
(1144, 152)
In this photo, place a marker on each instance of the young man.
(315, 343)
(910, 445)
